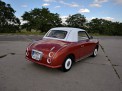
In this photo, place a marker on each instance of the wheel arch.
(72, 56)
(97, 46)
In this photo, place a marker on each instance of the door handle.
(82, 46)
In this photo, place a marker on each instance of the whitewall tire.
(95, 52)
(67, 64)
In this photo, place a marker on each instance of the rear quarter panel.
(61, 55)
(72, 48)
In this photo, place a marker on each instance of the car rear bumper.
(47, 65)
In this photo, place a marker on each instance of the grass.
(24, 32)
(97, 34)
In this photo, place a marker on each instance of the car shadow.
(88, 60)
(46, 69)
(58, 71)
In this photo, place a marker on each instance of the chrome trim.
(52, 48)
(83, 57)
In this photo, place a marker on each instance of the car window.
(57, 34)
(82, 35)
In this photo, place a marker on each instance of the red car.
(62, 46)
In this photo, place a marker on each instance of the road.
(102, 73)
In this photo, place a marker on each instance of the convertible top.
(67, 29)
(72, 33)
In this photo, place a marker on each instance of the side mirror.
(91, 37)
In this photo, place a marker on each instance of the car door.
(84, 44)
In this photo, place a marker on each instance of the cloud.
(84, 10)
(24, 5)
(108, 18)
(73, 4)
(95, 5)
(21, 21)
(63, 18)
(46, 4)
(57, 7)
(98, 3)
(49, 0)
(118, 1)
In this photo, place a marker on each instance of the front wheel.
(95, 52)
(67, 64)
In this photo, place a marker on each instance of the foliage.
(76, 20)
(41, 19)
(104, 27)
(8, 21)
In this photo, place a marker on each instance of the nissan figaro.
(61, 47)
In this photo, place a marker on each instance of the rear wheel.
(67, 64)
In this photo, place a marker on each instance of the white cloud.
(62, 2)
(73, 4)
(21, 20)
(63, 18)
(89, 19)
(95, 5)
(46, 4)
(118, 1)
(48, 0)
(98, 3)
(84, 10)
(93, 17)
(108, 18)
(24, 5)
(57, 7)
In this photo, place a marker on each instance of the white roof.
(72, 33)
(67, 28)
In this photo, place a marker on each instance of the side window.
(82, 36)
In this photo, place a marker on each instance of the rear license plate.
(37, 55)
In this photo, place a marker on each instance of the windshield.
(57, 34)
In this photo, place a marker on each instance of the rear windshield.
(60, 34)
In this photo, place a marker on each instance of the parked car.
(61, 47)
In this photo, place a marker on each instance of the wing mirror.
(91, 37)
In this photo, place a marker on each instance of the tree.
(76, 20)
(41, 19)
(100, 26)
(8, 21)
(116, 28)
(105, 27)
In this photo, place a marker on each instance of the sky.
(105, 9)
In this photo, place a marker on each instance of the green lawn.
(24, 32)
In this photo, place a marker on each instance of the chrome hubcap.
(95, 52)
(68, 63)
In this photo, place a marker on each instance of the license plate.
(37, 55)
